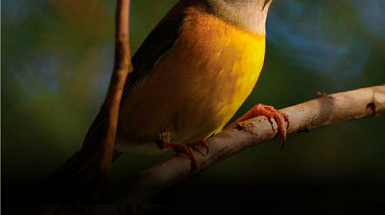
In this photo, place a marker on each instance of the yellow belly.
(194, 89)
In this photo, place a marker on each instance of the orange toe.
(187, 149)
(270, 112)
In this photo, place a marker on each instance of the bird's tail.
(76, 176)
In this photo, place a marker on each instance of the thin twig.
(326, 109)
(122, 66)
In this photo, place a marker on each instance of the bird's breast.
(198, 85)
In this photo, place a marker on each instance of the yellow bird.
(191, 74)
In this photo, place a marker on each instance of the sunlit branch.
(321, 111)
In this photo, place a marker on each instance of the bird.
(190, 76)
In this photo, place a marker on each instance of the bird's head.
(247, 14)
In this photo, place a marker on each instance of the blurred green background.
(57, 58)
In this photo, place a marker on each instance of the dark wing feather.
(157, 43)
(80, 167)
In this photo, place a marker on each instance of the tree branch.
(324, 110)
(122, 66)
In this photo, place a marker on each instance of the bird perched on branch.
(191, 74)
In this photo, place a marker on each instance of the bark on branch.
(122, 66)
(332, 108)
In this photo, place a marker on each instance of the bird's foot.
(187, 149)
(270, 112)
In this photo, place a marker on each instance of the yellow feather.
(195, 89)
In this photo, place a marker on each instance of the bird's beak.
(266, 3)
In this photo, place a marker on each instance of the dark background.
(57, 58)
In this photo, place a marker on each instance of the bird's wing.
(157, 43)
(82, 165)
